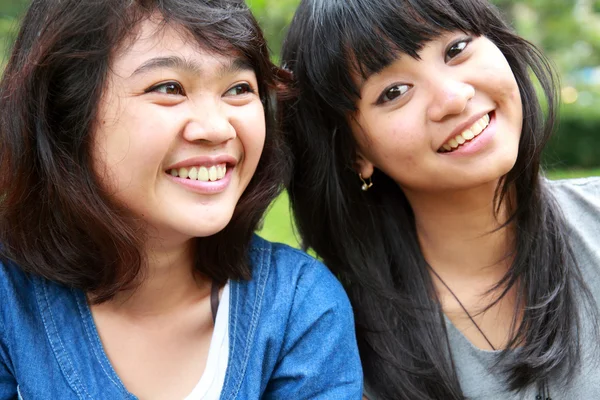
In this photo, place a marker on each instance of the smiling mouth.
(466, 136)
(201, 173)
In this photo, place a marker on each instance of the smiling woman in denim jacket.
(140, 152)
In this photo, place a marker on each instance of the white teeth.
(203, 174)
(467, 134)
(221, 170)
(212, 173)
(183, 173)
(200, 173)
(477, 128)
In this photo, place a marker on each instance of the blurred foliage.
(274, 16)
(10, 11)
(576, 143)
(12, 8)
(567, 30)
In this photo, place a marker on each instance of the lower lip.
(202, 187)
(478, 142)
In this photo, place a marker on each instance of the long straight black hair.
(369, 239)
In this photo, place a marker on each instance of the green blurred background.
(568, 31)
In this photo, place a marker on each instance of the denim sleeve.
(319, 359)
(8, 385)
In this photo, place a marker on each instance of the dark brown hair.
(55, 219)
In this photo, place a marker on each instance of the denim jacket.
(291, 335)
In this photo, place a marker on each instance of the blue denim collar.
(78, 348)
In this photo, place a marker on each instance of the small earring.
(365, 186)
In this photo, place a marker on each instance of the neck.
(168, 281)
(460, 232)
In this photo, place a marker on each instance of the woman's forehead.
(156, 44)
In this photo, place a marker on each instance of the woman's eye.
(240, 89)
(170, 88)
(392, 93)
(456, 48)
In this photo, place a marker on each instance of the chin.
(205, 228)
(496, 165)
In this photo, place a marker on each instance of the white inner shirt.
(211, 383)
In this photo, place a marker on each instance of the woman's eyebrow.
(171, 62)
(229, 67)
(235, 65)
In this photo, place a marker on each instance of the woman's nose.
(449, 97)
(209, 123)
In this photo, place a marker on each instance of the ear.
(363, 166)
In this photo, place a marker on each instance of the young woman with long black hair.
(417, 135)
(140, 152)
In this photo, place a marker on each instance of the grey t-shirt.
(579, 200)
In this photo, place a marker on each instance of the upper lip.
(205, 160)
(464, 126)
